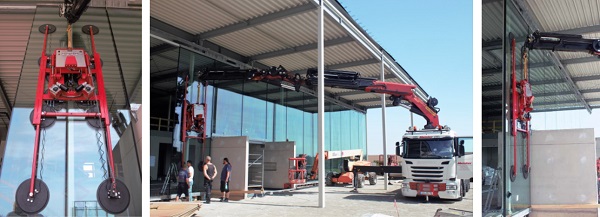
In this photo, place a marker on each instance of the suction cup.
(525, 171)
(45, 121)
(51, 28)
(94, 122)
(113, 202)
(86, 29)
(38, 202)
(513, 175)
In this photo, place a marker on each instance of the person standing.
(210, 172)
(182, 182)
(190, 178)
(225, 178)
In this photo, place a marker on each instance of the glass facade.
(70, 151)
(264, 112)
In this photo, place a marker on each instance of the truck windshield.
(429, 148)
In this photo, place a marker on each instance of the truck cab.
(430, 164)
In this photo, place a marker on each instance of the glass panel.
(520, 187)
(254, 118)
(228, 113)
(16, 166)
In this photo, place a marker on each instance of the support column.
(385, 157)
(321, 106)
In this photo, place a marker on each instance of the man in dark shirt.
(225, 178)
(210, 172)
(182, 183)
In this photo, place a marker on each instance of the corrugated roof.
(273, 33)
(573, 17)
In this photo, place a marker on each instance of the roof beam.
(256, 21)
(301, 48)
(581, 30)
(491, 71)
(161, 49)
(7, 105)
(136, 87)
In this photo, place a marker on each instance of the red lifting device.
(194, 116)
(522, 95)
(70, 74)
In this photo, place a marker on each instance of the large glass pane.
(515, 150)
(16, 166)
(254, 123)
(228, 113)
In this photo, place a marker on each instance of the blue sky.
(433, 42)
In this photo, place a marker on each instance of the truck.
(434, 163)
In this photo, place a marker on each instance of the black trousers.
(208, 188)
(182, 188)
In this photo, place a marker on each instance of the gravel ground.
(370, 202)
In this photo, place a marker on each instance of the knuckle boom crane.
(522, 95)
(434, 145)
(71, 74)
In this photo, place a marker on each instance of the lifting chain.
(43, 152)
(101, 152)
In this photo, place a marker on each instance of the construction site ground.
(370, 201)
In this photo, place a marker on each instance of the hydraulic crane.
(522, 96)
(71, 74)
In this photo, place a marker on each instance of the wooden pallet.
(174, 209)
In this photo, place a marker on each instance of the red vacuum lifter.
(70, 74)
(522, 95)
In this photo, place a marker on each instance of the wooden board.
(175, 209)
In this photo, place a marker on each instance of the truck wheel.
(328, 179)
(463, 192)
(468, 186)
(372, 178)
(361, 180)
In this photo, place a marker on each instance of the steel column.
(385, 158)
(321, 104)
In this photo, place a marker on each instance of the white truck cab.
(433, 164)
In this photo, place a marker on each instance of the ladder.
(167, 184)
(492, 190)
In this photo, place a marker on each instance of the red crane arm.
(335, 78)
(405, 92)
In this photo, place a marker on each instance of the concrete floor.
(371, 201)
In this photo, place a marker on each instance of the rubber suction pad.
(51, 28)
(38, 202)
(86, 29)
(94, 122)
(46, 121)
(525, 171)
(113, 205)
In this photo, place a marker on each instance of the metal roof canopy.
(268, 33)
(561, 80)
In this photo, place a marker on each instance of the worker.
(299, 175)
(210, 172)
(190, 178)
(182, 182)
(225, 178)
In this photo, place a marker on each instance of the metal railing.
(162, 124)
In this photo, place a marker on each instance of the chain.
(101, 153)
(43, 151)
